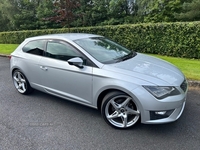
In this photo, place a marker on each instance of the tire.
(21, 83)
(119, 110)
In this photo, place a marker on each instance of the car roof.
(69, 36)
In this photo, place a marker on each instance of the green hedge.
(171, 39)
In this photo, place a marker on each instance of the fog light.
(154, 115)
(160, 112)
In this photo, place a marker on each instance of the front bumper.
(176, 113)
(155, 111)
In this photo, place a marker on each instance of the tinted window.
(35, 47)
(64, 51)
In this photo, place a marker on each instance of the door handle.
(43, 68)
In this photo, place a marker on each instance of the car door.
(62, 79)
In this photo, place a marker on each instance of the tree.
(84, 11)
(191, 11)
(7, 10)
(117, 11)
(26, 18)
(65, 12)
(45, 10)
(4, 22)
(122, 11)
(159, 10)
(99, 11)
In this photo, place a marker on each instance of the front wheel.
(119, 110)
(21, 83)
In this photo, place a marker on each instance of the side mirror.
(76, 61)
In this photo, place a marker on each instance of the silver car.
(92, 70)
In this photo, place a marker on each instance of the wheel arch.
(104, 93)
(13, 70)
(17, 68)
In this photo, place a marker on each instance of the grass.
(190, 67)
(7, 48)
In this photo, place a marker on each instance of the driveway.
(44, 122)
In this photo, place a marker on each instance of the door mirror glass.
(78, 62)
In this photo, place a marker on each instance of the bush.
(171, 39)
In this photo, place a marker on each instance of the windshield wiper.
(126, 57)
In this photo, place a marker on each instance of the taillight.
(9, 56)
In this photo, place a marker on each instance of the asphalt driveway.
(44, 122)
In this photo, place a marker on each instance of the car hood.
(150, 69)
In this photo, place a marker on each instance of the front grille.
(184, 85)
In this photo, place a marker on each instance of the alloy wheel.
(20, 82)
(121, 111)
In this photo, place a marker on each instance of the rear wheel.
(21, 83)
(119, 110)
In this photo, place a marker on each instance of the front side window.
(105, 50)
(60, 50)
(63, 51)
(35, 47)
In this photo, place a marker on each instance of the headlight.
(161, 92)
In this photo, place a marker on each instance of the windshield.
(104, 50)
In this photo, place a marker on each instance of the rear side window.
(35, 47)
